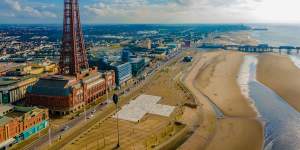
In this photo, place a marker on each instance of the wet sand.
(280, 74)
(219, 82)
(215, 76)
(237, 134)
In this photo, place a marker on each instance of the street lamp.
(49, 134)
(116, 101)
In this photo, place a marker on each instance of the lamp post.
(84, 113)
(49, 134)
(107, 91)
(116, 101)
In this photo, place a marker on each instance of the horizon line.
(204, 23)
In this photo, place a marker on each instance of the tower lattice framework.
(73, 57)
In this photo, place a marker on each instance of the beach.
(283, 77)
(218, 81)
(214, 80)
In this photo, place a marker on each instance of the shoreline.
(241, 121)
(218, 80)
(278, 77)
(244, 78)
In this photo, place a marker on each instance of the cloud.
(20, 9)
(153, 11)
(15, 5)
(169, 10)
(114, 7)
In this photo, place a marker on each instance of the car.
(66, 128)
(94, 111)
(91, 116)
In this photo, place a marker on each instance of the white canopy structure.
(138, 108)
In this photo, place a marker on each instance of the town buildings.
(5, 67)
(16, 80)
(187, 44)
(137, 65)
(20, 123)
(147, 44)
(13, 89)
(123, 71)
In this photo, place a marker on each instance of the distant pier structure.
(261, 48)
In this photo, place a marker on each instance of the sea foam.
(296, 60)
(246, 75)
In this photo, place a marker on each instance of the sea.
(281, 121)
(278, 34)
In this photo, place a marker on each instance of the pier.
(261, 48)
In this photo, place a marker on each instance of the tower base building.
(77, 84)
(66, 94)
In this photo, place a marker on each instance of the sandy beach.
(283, 77)
(215, 75)
(218, 81)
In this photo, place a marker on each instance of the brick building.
(65, 94)
(20, 123)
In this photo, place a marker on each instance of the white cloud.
(157, 11)
(171, 11)
(20, 9)
(278, 11)
(14, 4)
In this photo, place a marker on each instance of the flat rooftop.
(5, 108)
(6, 81)
(8, 66)
(59, 77)
(118, 63)
(17, 112)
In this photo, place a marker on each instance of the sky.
(153, 11)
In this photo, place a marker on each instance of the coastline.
(240, 120)
(244, 78)
(219, 82)
(216, 78)
(283, 77)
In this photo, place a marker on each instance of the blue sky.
(154, 11)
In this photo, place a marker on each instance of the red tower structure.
(73, 59)
(77, 84)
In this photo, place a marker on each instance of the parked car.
(91, 116)
(66, 128)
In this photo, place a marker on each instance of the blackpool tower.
(73, 59)
(76, 85)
